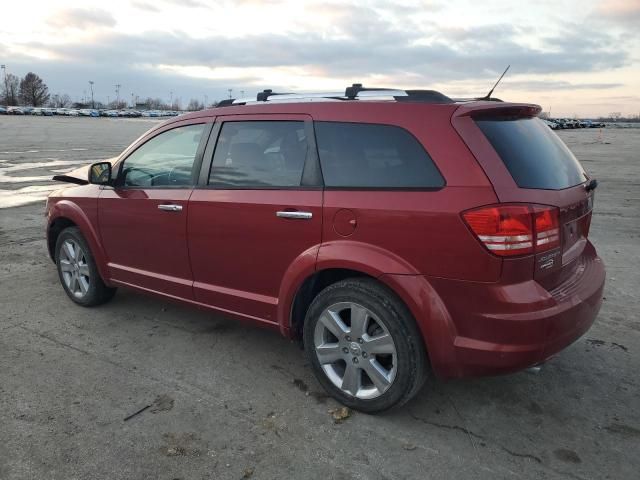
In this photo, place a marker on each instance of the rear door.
(529, 163)
(257, 210)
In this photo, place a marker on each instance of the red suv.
(397, 234)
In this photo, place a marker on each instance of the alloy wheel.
(74, 268)
(355, 350)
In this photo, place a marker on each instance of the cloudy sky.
(573, 57)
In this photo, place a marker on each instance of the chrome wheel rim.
(355, 350)
(74, 268)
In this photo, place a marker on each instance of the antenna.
(488, 96)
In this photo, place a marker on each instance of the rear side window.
(533, 154)
(256, 154)
(362, 155)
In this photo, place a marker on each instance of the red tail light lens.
(509, 230)
(547, 228)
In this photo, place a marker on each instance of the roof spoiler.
(493, 109)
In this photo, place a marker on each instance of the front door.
(259, 208)
(143, 219)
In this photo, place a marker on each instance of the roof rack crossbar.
(354, 92)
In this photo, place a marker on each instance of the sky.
(571, 57)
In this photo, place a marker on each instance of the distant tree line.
(32, 91)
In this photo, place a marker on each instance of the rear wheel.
(77, 270)
(364, 345)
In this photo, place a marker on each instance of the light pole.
(6, 86)
(133, 105)
(230, 90)
(171, 100)
(206, 101)
(93, 105)
(118, 95)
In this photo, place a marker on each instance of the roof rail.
(354, 92)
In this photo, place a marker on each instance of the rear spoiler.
(493, 109)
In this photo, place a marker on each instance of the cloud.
(377, 42)
(81, 18)
(367, 45)
(620, 10)
(145, 6)
(550, 85)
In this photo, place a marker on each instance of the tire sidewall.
(394, 319)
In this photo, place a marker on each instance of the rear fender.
(414, 290)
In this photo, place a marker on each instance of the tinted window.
(368, 155)
(165, 160)
(259, 154)
(533, 154)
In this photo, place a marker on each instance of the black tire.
(411, 358)
(97, 292)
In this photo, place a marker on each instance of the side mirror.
(100, 173)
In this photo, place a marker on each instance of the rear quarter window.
(534, 155)
(361, 155)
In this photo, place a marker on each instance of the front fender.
(87, 223)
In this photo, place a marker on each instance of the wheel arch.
(350, 259)
(66, 214)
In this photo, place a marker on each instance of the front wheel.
(77, 270)
(364, 346)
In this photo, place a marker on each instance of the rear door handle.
(170, 208)
(295, 215)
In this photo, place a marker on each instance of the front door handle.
(170, 208)
(295, 215)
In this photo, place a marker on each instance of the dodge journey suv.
(397, 234)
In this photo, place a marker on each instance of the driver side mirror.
(100, 173)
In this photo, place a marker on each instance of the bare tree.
(154, 103)
(60, 101)
(33, 91)
(10, 90)
(195, 104)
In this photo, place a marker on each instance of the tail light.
(515, 229)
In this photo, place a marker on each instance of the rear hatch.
(529, 164)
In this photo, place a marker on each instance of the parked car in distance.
(15, 111)
(3, 111)
(399, 235)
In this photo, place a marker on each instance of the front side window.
(363, 155)
(165, 160)
(255, 154)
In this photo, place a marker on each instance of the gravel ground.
(229, 401)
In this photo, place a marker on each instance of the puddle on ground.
(26, 195)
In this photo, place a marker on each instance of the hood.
(80, 175)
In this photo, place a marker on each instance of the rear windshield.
(533, 154)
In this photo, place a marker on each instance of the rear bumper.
(497, 329)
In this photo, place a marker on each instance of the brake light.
(509, 230)
(547, 228)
